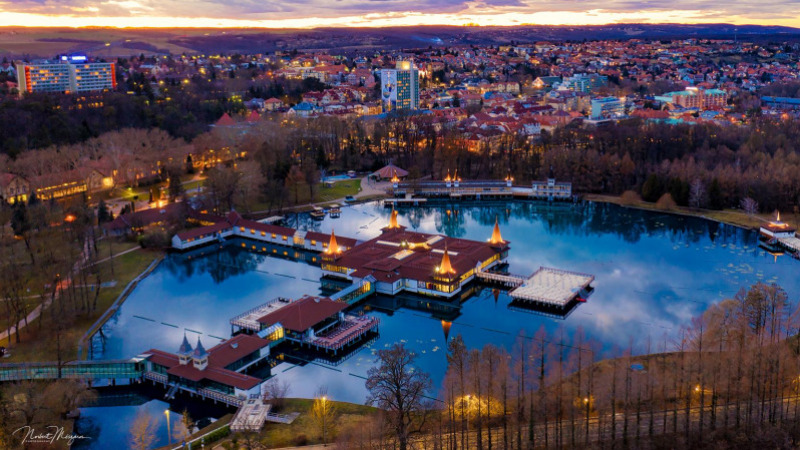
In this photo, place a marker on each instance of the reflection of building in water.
(541, 310)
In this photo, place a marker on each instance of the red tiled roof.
(219, 356)
(225, 121)
(234, 349)
(303, 313)
(389, 171)
(202, 231)
(326, 237)
(253, 117)
(376, 257)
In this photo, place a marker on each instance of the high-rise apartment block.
(69, 76)
(400, 87)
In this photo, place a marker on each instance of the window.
(263, 233)
(273, 235)
(313, 243)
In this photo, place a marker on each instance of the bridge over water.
(74, 370)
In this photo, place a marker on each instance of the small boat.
(349, 199)
(317, 213)
(335, 211)
(351, 173)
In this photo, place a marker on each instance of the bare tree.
(697, 194)
(749, 206)
(398, 387)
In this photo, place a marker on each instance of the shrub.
(666, 202)
(629, 198)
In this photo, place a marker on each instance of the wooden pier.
(790, 243)
(505, 280)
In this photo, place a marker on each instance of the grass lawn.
(729, 216)
(107, 247)
(40, 344)
(322, 194)
(303, 430)
(340, 189)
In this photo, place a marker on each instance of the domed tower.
(185, 351)
(199, 356)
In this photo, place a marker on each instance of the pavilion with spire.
(218, 373)
(497, 238)
(776, 229)
(427, 264)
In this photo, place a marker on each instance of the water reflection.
(653, 273)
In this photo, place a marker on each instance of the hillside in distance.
(109, 42)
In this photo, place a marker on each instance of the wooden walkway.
(506, 280)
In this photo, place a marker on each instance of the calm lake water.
(653, 271)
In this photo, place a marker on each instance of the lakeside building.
(551, 189)
(233, 225)
(67, 76)
(216, 374)
(319, 323)
(400, 260)
(400, 87)
(779, 235)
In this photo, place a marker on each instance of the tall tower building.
(400, 87)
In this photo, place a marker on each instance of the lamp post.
(169, 432)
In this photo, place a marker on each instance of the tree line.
(729, 378)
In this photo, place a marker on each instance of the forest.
(728, 380)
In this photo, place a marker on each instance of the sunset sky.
(314, 13)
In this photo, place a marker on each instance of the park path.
(36, 312)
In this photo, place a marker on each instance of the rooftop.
(398, 253)
(303, 313)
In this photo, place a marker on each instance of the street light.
(169, 432)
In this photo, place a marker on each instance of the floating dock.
(545, 287)
(553, 287)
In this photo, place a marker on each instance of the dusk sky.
(311, 13)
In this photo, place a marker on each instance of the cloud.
(427, 11)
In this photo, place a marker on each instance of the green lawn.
(304, 430)
(340, 189)
(322, 194)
